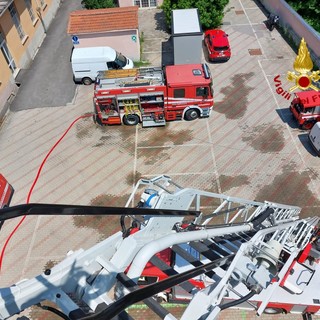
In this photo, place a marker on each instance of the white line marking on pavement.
(177, 145)
(34, 234)
(213, 157)
(275, 59)
(251, 24)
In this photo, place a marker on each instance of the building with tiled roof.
(113, 27)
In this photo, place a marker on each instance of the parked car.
(217, 44)
(87, 62)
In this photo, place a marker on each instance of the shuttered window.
(16, 21)
(6, 53)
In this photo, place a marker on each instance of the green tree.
(210, 12)
(309, 10)
(98, 4)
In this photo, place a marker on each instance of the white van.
(86, 62)
(314, 137)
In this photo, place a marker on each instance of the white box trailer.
(87, 62)
(314, 137)
(187, 36)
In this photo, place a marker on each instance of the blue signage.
(75, 40)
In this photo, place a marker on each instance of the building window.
(179, 93)
(145, 3)
(7, 55)
(202, 92)
(30, 10)
(16, 21)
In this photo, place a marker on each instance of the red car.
(217, 44)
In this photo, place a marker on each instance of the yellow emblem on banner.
(303, 65)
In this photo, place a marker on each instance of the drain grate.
(255, 52)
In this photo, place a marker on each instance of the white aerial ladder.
(220, 252)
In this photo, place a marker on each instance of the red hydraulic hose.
(35, 182)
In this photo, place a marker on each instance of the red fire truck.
(6, 192)
(305, 108)
(152, 96)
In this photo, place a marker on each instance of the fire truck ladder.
(217, 260)
(233, 247)
(130, 77)
(118, 73)
(214, 255)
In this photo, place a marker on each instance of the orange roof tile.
(102, 20)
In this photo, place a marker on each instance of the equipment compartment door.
(152, 109)
(109, 111)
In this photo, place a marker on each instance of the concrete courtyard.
(248, 148)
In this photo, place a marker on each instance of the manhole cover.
(255, 52)
(239, 12)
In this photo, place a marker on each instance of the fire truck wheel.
(131, 120)
(273, 310)
(307, 125)
(87, 81)
(191, 114)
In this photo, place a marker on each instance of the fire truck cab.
(152, 96)
(6, 192)
(305, 108)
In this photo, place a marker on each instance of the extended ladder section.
(166, 194)
(236, 260)
(113, 79)
(234, 252)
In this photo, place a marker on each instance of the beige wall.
(5, 75)
(16, 46)
(125, 3)
(126, 42)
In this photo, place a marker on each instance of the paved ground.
(48, 81)
(248, 148)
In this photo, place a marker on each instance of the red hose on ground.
(34, 183)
